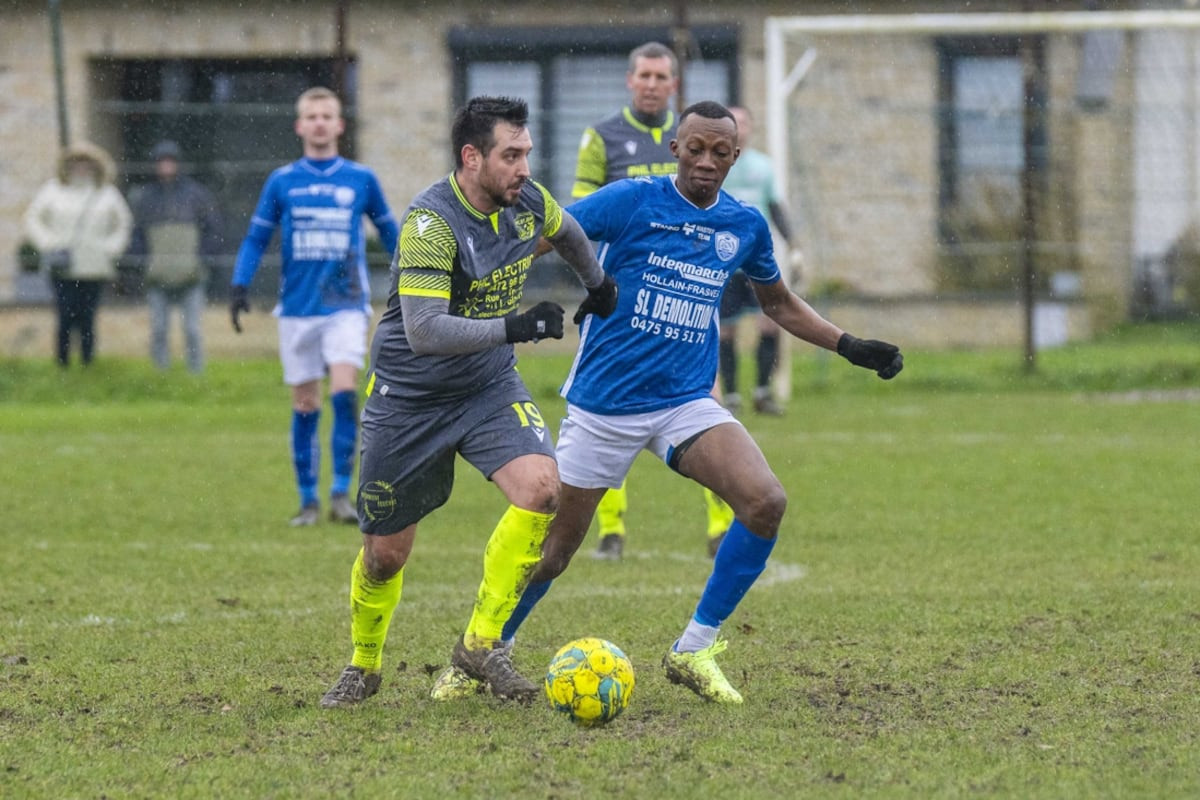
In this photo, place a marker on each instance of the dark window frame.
(950, 49)
(542, 45)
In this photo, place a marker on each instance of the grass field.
(987, 585)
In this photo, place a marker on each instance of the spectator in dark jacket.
(176, 236)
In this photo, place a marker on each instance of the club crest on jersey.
(631, 147)
(525, 225)
(727, 245)
(343, 196)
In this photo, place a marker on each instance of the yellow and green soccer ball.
(590, 680)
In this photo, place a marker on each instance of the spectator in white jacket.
(80, 224)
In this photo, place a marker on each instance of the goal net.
(949, 156)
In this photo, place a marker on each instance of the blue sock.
(529, 598)
(306, 453)
(739, 562)
(345, 434)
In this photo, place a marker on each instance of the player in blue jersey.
(324, 303)
(642, 377)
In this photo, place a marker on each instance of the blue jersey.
(318, 205)
(671, 261)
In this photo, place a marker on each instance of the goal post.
(897, 140)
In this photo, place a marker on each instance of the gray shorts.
(407, 465)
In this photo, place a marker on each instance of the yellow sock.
(371, 607)
(509, 559)
(610, 514)
(720, 515)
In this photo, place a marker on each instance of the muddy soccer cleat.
(453, 683)
(493, 666)
(352, 687)
(699, 672)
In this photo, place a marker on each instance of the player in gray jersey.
(635, 141)
(442, 382)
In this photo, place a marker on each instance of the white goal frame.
(783, 78)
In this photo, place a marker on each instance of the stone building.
(901, 222)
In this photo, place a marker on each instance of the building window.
(573, 77)
(232, 119)
(981, 160)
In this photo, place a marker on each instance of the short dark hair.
(709, 109)
(653, 50)
(475, 122)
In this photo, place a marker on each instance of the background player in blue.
(642, 377)
(324, 303)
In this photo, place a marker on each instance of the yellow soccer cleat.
(452, 684)
(699, 672)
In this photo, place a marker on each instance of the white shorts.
(596, 450)
(307, 345)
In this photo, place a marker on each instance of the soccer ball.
(590, 680)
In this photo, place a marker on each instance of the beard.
(504, 196)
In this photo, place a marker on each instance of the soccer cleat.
(699, 672)
(307, 515)
(764, 402)
(714, 544)
(352, 687)
(493, 666)
(453, 683)
(611, 547)
(342, 510)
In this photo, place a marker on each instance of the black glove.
(543, 321)
(600, 301)
(882, 357)
(239, 301)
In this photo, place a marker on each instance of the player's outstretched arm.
(882, 357)
(798, 318)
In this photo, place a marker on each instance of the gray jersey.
(479, 262)
(619, 146)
